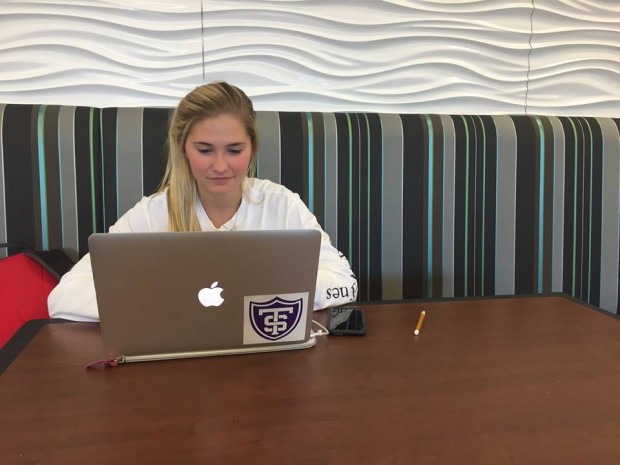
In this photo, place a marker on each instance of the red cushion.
(24, 287)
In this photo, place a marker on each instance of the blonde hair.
(204, 101)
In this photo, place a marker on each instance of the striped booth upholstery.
(424, 206)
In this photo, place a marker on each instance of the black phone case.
(336, 328)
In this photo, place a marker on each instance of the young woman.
(208, 186)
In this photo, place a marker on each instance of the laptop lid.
(184, 294)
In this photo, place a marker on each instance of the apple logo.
(211, 296)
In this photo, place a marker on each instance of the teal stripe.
(429, 217)
(91, 145)
(541, 202)
(42, 177)
(310, 161)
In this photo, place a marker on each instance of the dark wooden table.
(491, 381)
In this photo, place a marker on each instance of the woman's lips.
(220, 180)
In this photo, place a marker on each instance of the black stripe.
(154, 147)
(83, 178)
(359, 121)
(18, 172)
(342, 133)
(304, 154)
(355, 219)
(98, 170)
(413, 208)
(571, 215)
(35, 178)
(548, 220)
(348, 190)
(109, 145)
(460, 198)
(579, 214)
(437, 226)
(596, 212)
(319, 168)
(526, 206)
(474, 207)
(585, 205)
(617, 122)
(535, 213)
(490, 213)
(478, 204)
(294, 145)
(569, 208)
(424, 143)
(376, 213)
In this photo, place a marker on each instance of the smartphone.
(346, 321)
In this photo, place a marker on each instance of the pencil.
(418, 327)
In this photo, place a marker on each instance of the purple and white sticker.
(275, 318)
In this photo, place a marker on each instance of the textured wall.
(557, 57)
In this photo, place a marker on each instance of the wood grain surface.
(491, 381)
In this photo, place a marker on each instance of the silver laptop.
(190, 294)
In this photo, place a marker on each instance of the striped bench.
(424, 206)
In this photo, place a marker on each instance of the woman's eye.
(235, 151)
(204, 151)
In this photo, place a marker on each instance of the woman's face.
(219, 151)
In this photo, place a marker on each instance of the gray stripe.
(129, 158)
(268, 165)
(557, 253)
(392, 207)
(3, 233)
(449, 172)
(610, 212)
(68, 186)
(506, 205)
(331, 177)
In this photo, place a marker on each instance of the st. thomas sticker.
(275, 318)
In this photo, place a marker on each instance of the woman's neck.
(220, 209)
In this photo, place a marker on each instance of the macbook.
(190, 294)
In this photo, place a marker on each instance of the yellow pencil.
(419, 325)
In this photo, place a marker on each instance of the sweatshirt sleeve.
(336, 283)
(74, 296)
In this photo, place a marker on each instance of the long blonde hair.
(204, 101)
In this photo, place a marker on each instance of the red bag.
(25, 283)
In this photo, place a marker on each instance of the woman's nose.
(219, 163)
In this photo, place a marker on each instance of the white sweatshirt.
(265, 205)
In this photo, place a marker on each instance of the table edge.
(22, 337)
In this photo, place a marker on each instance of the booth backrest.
(424, 206)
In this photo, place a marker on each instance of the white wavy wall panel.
(443, 56)
(101, 53)
(345, 55)
(575, 61)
